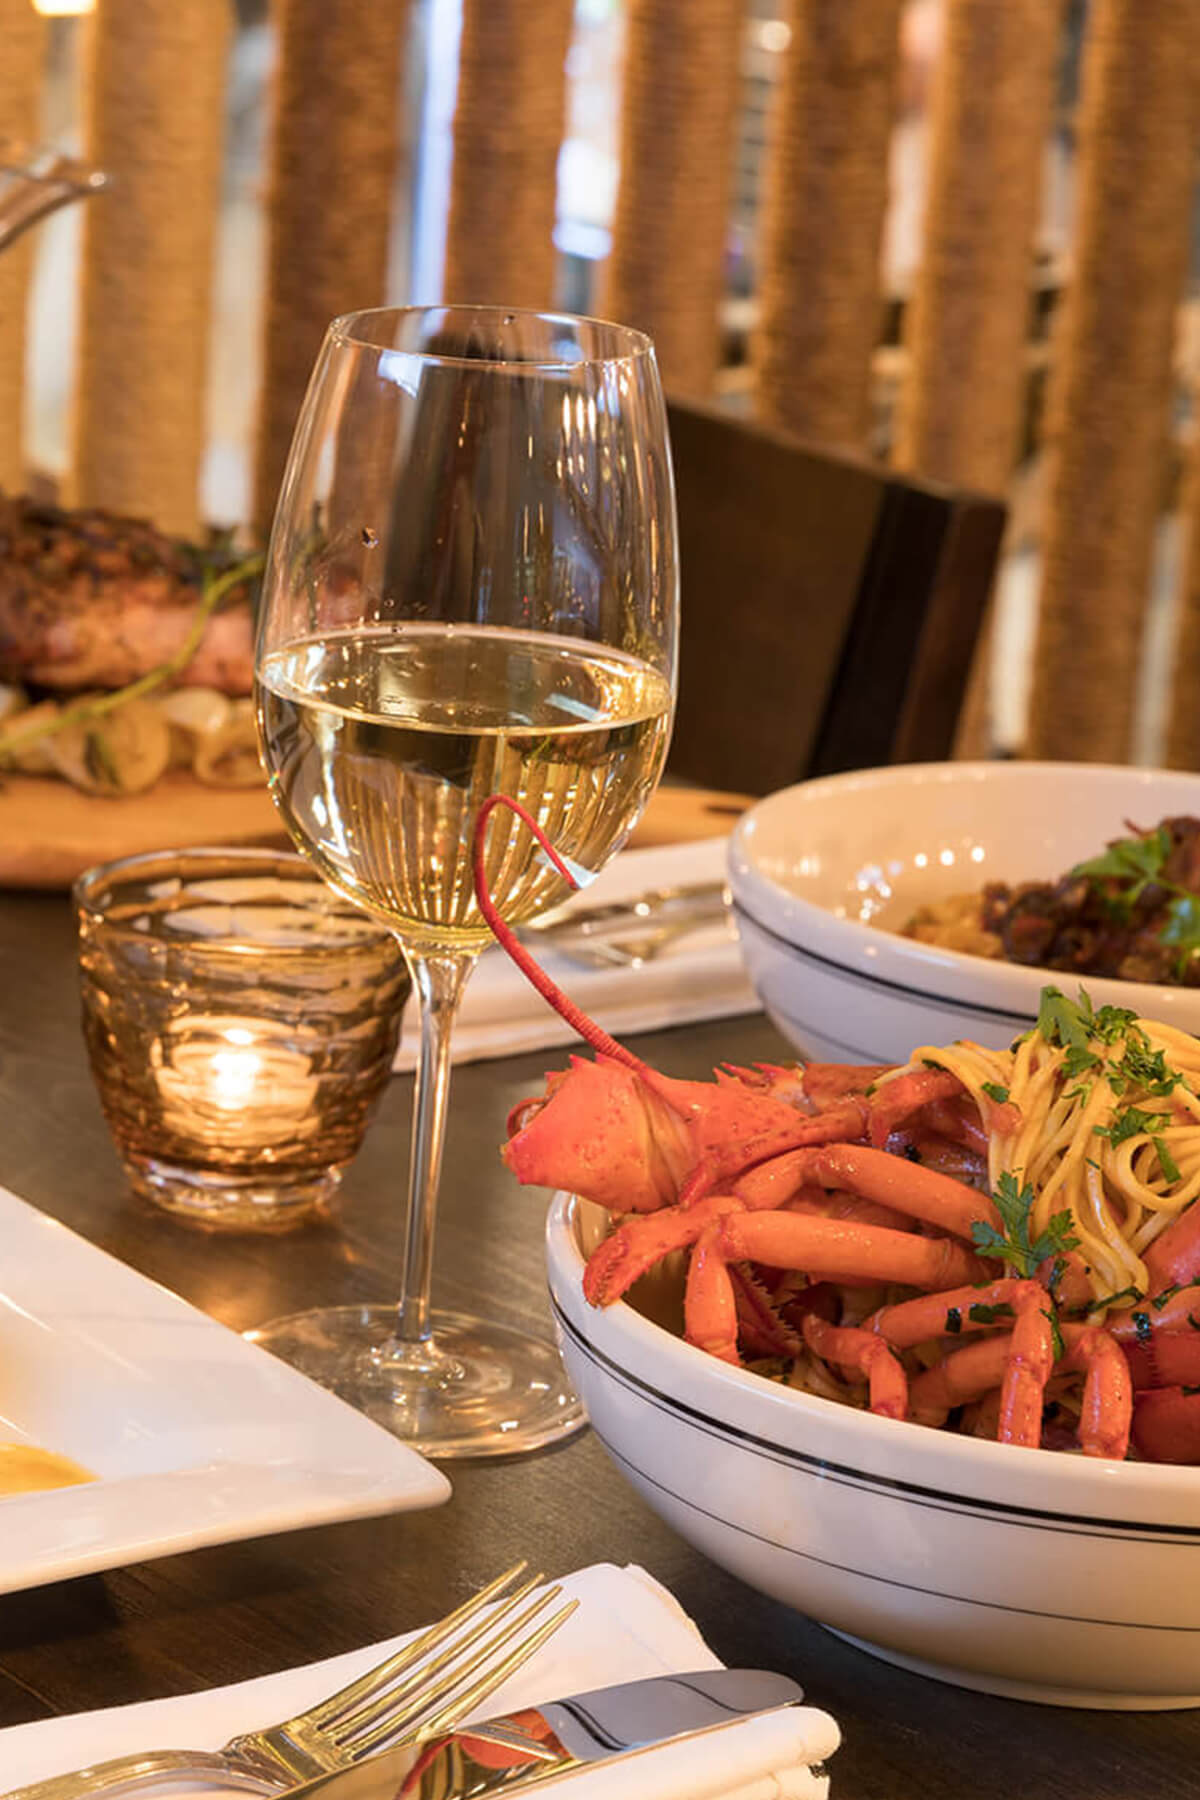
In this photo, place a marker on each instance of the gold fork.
(425, 1687)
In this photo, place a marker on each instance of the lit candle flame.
(234, 1073)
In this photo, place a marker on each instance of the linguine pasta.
(1099, 1115)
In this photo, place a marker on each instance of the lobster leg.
(965, 1309)
(874, 1175)
(896, 1101)
(1019, 1364)
(863, 1353)
(635, 1246)
(1107, 1413)
(784, 1240)
(789, 1240)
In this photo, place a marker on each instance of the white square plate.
(196, 1436)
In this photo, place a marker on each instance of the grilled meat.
(92, 600)
(1127, 925)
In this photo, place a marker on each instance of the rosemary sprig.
(95, 706)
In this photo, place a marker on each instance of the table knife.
(690, 900)
(532, 1744)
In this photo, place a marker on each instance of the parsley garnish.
(1137, 860)
(1146, 1068)
(1140, 862)
(995, 1092)
(1013, 1244)
(987, 1315)
(1125, 1293)
(1131, 1123)
(1166, 1161)
(1056, 1336)
(1159, 1300)
(1061, 1021)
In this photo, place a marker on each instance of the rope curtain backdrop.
(508, 127)
(1108, 404)
(827, 184)
(666, 272)
(966, 328)
(22, 33)
(334, 135)
(156, 86)
(157, 77)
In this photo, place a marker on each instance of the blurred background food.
(113, 667)
(839, 218)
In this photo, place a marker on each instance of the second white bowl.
(823, 873)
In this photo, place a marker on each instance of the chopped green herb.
(1078, 1060)
(1013, 1245)
(1137, 859)
(1133, 1122)
(1146, 1067)
(987, 1315)
(1125, 1293)
(1056, 1336)
(1182, 928)
(995, 1092)
(1112, 1022)
(1166, 1161)
(1062, 1021)
(1160, 1299)
(953, 1320)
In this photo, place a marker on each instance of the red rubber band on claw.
(576, 1018)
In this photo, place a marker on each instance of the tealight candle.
(241, 1021)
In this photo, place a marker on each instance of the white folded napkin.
(698, 976)
(626, 1626)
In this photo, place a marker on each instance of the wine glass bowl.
(471, 589)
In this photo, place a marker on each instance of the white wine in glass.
(471, 589)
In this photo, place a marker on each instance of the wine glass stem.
(438, 982)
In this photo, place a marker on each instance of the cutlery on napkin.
(626, 1627)
(698, 975)
(605, 1726)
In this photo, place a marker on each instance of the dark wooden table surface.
(229, 1613)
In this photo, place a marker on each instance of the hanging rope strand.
(827, 183)
(678, 117)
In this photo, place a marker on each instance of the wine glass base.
(474, 1388)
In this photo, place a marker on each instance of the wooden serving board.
(50, 831)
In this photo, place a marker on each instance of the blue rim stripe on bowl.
(1072, 1524)
(904, 1587)
(945, 1002)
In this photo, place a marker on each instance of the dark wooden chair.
(830, 607)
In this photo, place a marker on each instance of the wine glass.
(471, 588)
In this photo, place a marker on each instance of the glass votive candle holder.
(241, 1020)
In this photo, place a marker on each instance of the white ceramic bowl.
(1043, 1575)
(819, 871)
